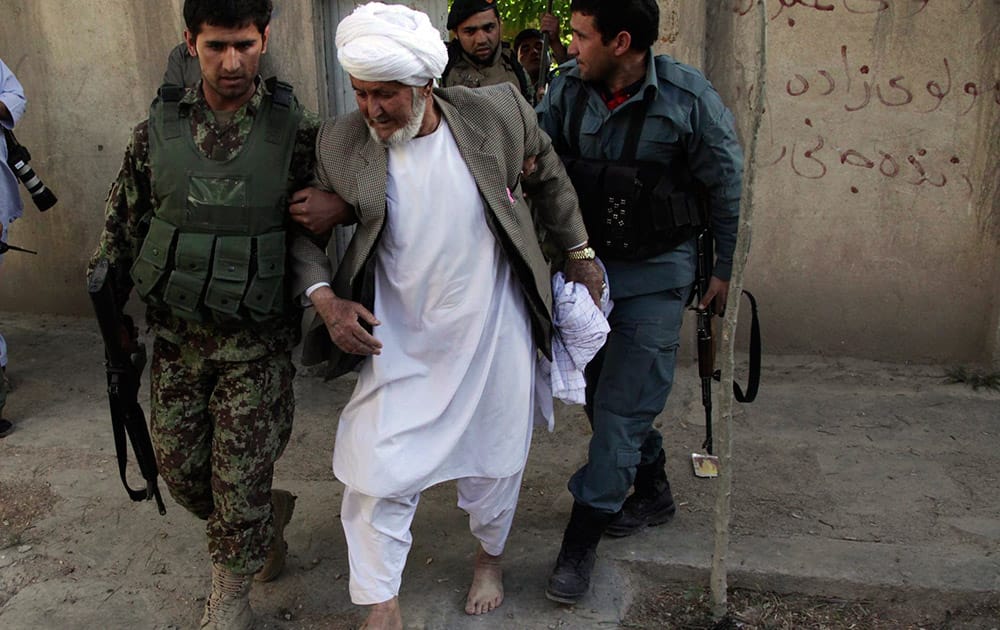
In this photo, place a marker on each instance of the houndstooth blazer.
(495, 130)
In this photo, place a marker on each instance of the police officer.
(197, 223)
(619, 115)
(477, 57)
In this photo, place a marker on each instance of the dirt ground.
(683, 607)
(858, 486)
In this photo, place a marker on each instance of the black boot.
(650, 504)
(570, 580)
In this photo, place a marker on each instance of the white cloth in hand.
(581, 328)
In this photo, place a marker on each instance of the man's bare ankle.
(384, 616)
(485, 557)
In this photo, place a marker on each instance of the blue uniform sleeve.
(550, 114)
(716, 160)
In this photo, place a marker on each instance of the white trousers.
(378, 531)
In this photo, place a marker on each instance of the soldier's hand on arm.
(318, 211)
(341, 319)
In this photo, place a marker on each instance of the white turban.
(382, 42)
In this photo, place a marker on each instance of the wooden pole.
(719, 582)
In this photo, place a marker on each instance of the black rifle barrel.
(706, 351)
(544, 61)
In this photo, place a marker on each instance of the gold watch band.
(587, 253)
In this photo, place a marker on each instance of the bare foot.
(486, 592)
(384, 616)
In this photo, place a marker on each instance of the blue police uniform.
(629, 381)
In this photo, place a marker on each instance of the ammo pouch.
(633, 209)
(223, 277)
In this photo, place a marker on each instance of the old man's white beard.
(410, 130)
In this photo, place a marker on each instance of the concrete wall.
(877, 224)
(90, 69)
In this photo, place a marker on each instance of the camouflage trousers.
(217, 428)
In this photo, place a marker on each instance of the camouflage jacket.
(463, 70)
(130, 206)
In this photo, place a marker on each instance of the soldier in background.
(528, 47)
(477, 57)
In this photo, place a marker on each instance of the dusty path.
(852, 476)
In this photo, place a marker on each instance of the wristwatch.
(587, 253)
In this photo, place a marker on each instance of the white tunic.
(451, 394)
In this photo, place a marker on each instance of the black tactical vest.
(633, 209)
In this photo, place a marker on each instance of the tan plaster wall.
(855, 250)
(90, 69)
(875, 231)
(682, 31)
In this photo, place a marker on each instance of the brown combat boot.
(228, 607)
(282, 506)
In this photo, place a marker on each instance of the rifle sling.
(753, 378)
(121, 448)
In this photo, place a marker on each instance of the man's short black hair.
(462, 10)
(525, 35)
(640, 18)
(227, 14)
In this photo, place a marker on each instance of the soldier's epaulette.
(281, 92)
(685, 77)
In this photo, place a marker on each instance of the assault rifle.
(544, 61)
(706, 347)
(707, 466)
(124, 360)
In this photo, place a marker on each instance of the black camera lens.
(42, 196)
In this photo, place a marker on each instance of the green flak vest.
(215, 249)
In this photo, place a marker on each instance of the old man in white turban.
(441, 300)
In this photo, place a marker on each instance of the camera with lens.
(17, 159)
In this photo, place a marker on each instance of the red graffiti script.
(897, 91)
(815, 156)
(906, 8)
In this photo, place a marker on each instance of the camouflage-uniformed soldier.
(477, 57)
(203, 244)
